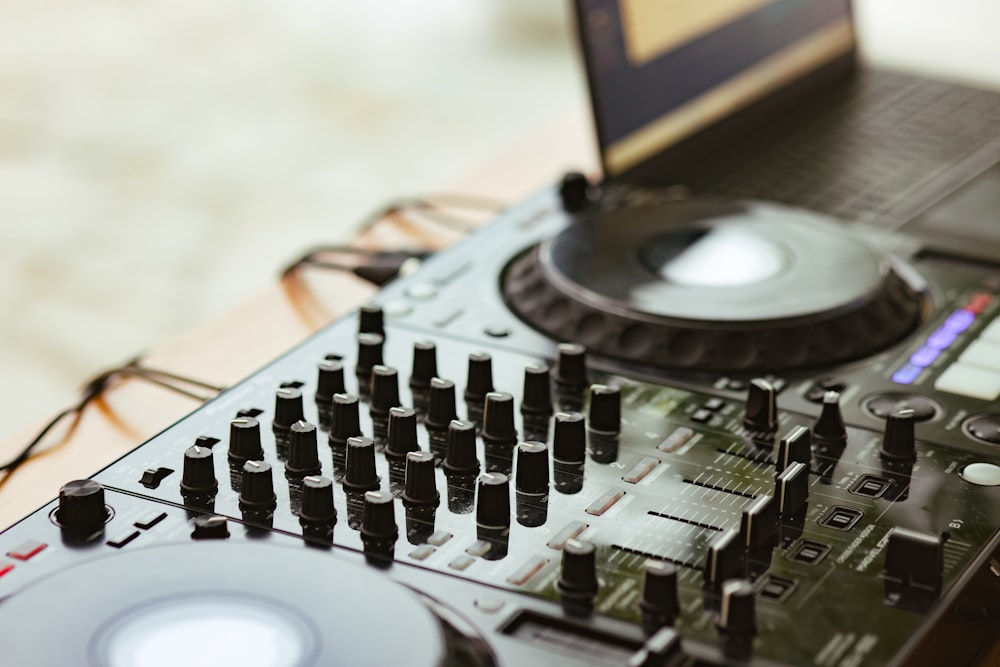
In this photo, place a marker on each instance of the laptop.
(767, 99)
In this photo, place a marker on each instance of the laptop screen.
(663, 70)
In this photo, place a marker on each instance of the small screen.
(663, 70)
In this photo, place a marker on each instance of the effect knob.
(574, 192)
(345, 421)
(384, 391)
(737, 612)
(441, 407)
(605, 409)
(317, 502)
(257, 489)
(829, 431)
(379, 531)
(899, 442)
(198, 475)
(371, 319)
(537, 395)
(287, 408)
(244, 440)
(498, 422)
(369, 356)
(762, 408)
(480, 378)
(571, 367)
(660, 605)
(569, 438)
(578, 577)
(330, 380)
(461, 458)
(303, 454)
(532, 468)
(360, 475)
(82, 512)
(420, 487)
(424, 364)
(402, 434)
(493, 501)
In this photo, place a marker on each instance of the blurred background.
(162, 160)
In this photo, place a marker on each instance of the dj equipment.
(732, 461)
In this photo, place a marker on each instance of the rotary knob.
(287, 408)
(574, 192)
(493, 501)
(303, 454)
(402, 435)
(369, 356)
(317, 514)
(384, 391)
(480, 378)
(360, 475)
(198, 475)
(379, 531)
(441, 407)
(82, 512)
(737, 612)
(537, 395)
(571, 367)
(761, 414)
(569, 451)
(829, 431)
(499, 433)
(420, 487)
(899, 442)
(371, 319)
(424, 364)
(578, 577)
(605, 409)
(345, 421)
(330, 381)
(244, 440)
(532, 483)
(257, 488)
(461, 458)
(660, 605)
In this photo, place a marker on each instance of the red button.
(27, 550)
(978, 302)
(4, 569)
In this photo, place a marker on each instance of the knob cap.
(569, 438)
(424, 364)
(420, 486)
(574, 192)
(303, 454)
(317, 501)
(402, 435)
(198, 476)
(369, 356)
(257, 489)
(737, 612)
(899, 442)
(287, 407)
(82, 510)
(537, 395)
(345, 421)
(578, 577)
(460, 458)
(441, 408)
(498, 419)
(493, 501)
(330, 380)
(829, 431)
(360, 474)
(571, 367)
(532, 468)
(371, 319)
(384, 391)
(762, 408)
(244, 440)
(605, 409)
(660, 603)
(480, 377)
(795, 447)
(379, 531)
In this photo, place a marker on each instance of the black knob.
(424, 364)
(605, 409)
(287, 408)
(384, 391)
(345, 421)
(369, 356)
(571, 367)
(899, 442)
(371, 319)
(461, 458)
(480, 378)
(498, 420)
(737, 611)
(532, 468)
(210, 527)
(198, 476)
(360, 474)
(82, 511)
(762, 408)
(257, 489)
(330, 380)
(303, 454)
(829, 431)
(578, 577)
(317, 502)
(493, 501)
(574, 192)
(569, 438)
(537, 396)
(402, 435)
(420, 486)
(795, 447)
(378, 523)
(660, 605)
(244, 440)
(441, 410)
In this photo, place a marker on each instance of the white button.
(982, 353)
(983, 474)
(971, 381)
(397, 308)
(992, 332)
(421, 291)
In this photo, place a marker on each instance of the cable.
(433, 207)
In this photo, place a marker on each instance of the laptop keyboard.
(871, 153)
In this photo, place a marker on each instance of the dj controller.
(538, 449)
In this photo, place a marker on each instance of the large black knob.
(288, 408)
(424, 364)
(345, 420)
(461, 456)
(369, 356)
(257, 489)
(378, 524)
(493, 501)
(480, 378)
(420, 486)
(737, 611)
(605, 409)
(532, 468)
(360, 474)
(899, 442)
(303, 454)
(384, 391)
(829, 431)
(574, 192)
(330, 381)
(441, 407)
(198, 476)
(570, 372)
(244, 440)
(402, 436)
(371, 319)
(578, 577)
(317, 514)
(82, 511)
(761, 414)
(499, 433)
(537, 395)
(660, 605)
(569, 451)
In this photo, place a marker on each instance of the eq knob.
(460, 458)
(82, 512)
(345, 420)
(317, 514)
(330, 381)
(532, 483)
(287, 408)
(198, 475)
(578, 577)
(244, 440)
(303, 454)
(379, 531)
(371, 319)
(737, 612)
(605, 409)
(493, 501)
(899, 441)
(257, 488)
(360, 475)
(424, 364)
(479, 379)
(369, 356)
(441, 407)
(829, 431)
(384, 391)
(660, 605)
(537, 395)
(571, 367)
(499, 433)
(761, 414)
(402, 435)
(420, 489)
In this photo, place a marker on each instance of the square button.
(809, 552)
(777, 588)
(972, 381)
(841, 518)
(27, 550)
(870, 486)
(701, 416)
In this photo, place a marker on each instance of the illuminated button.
(123, 539)
(907, 374)
(150, 521)
(958, 321)
(971, 381)
(572, 531)
(982, 353)
(5, 568)
(992, 332)
(423, 552)
(941, 339)
(27, 550)
(527, 571)
(978, 303)
(982, 474)
(461, 563)
(600, 506)
(924, 357)
(640, 470)
(676, 440)
(438, 538)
